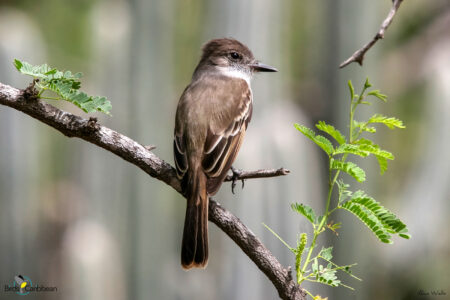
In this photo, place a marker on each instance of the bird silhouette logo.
(22, 282)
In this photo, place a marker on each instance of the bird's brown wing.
(223, 144)
(226, 114)
(180, 156)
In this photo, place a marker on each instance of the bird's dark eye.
(235, 55)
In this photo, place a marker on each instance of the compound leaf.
(378, 94)
(351, 149)
(325, 253)
(391, 123)
(381, 155)
(336, 134)
(321, 141)
(382, 162)
(304, 210)
(327, 276)
(64, 84)
(363, 127)
(377, 218)
(350, 168)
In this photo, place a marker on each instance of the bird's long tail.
(194, 248)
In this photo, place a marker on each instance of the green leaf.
(367, 84)
(351, 149)
(350, 168)
(87, 103)
(336, 134)
(344, 193)
(28, 69)
(377, 218)
(364, 127)
(382, 162)
(352, 89)
(65, 84)
(378, 94)
(321, 141)
(371, 148)
(18, 64)
(325, 253)
(404, 234)
(381, 155)
(305, 210)
(391, 123)
(51, 72)
(327, 276)
(315, 265)
(370, 220)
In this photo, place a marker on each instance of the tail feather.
(194, 248)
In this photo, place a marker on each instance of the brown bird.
(212, 116)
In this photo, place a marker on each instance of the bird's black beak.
(260, 67)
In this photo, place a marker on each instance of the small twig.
(258, 174)
(358, 56)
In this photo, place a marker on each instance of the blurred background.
(76, 217)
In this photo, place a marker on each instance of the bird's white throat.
(235, 73)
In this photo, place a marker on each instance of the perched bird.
(211, 119)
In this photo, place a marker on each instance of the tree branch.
(358, 56)
(241, 175)
(89, 130)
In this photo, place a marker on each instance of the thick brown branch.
(137, 154)
(358, 56)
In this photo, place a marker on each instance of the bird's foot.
(236, 174)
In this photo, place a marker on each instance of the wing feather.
(229, 112)
(180, 156)
(218, 161)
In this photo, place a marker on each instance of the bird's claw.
(236, 174)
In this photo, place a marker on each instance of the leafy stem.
(318, 230)
(382, 222)
(50, 98)
(64, 84)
